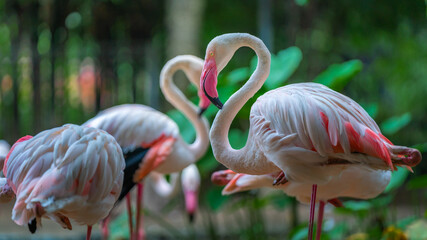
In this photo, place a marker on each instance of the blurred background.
(63, 61)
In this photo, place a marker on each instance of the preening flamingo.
(365, 184)
(190, 185)
(306, 131)
(69, 172)
(150, 139)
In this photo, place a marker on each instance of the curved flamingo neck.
(192, 67)
(221, 147)
(164, 188)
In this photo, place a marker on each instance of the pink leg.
(129, 208)
(140, 234)
(104, 227)
(320, 220)
(312, 210)
(89, 231)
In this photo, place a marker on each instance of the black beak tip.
(201, 111)
(217, 103)
(191, 217)
(32, 225)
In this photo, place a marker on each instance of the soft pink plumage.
(307, 131)
(69, 172)
(138, 126)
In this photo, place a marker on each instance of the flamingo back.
(72, 171)
(134, 125)
(300, 127)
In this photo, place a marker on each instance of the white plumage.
(66, 172)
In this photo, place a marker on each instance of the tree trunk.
(265, 25)
(183, 20)
(35, 59)
(15, 45)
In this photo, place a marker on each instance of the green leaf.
(238, 75)
(371, 109)
(397, 179)
(303, 2)
(237, 138)
(185, 127)
(422, 147)
(283, 65)
(394, 124)
(357, 205)
(337, 76)
(403, 223)
(300, 234)
(382, 201)
(215, 199)
(417, 182)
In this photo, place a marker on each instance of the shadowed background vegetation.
(63, 61)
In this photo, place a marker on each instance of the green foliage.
(397, 179)
(371, 109)
(283, 65)
(394, 124)
(337, 76)
(301, 2)
(417, 182)
(215, 198)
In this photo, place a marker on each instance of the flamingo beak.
(208, 81)
(201, 111)
(191, 202)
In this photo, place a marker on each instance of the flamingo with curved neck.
(306, 131)
(149, 138)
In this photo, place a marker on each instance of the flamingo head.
(230, 180)
(222, 177)
(190, 179)
(218, 54)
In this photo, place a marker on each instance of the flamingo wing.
(306, 128)
(134, 125)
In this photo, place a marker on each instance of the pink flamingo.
(306, 131)
(150, 139)
(69, 172)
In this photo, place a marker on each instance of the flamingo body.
(313, 133)
(66, 172)
(307, 132)
(151, 140)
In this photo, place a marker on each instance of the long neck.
(162, 186)
(221, 147)
(179, 101)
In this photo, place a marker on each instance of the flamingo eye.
(211, 53)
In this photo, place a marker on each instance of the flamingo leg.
(88, 233)
(104, 227)
(129, 209)
(312, 210)
(320, 220)
(140, 234)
